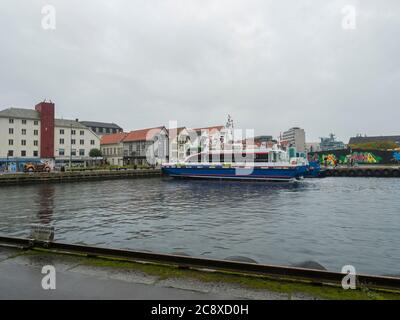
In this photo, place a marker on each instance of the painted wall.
(345, 156)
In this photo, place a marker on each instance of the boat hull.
(286, 174)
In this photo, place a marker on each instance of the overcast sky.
(270, 64)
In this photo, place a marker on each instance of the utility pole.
(70, 150)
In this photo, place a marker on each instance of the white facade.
(73, 140)
(205, 139)
(178, 144)
(295, 137)
(19, 138)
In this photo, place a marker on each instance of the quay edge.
(317, 283)
(363, 171)
(61, 177)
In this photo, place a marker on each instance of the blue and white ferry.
(257, 165)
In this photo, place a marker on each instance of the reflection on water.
(45, 197)
(334, 221)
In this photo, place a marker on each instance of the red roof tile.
(143, 134)
(113, 138)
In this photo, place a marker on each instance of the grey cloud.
(271, 64)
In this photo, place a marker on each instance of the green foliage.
(95, 153)
(378, 145)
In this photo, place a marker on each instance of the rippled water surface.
(334, 221)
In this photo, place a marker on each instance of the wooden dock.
(60, 177)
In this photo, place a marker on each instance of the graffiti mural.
(347, 156)
(362, 157)
(328, 159)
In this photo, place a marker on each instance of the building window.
(36, 122)
(10, 120)
(35, 132)
(92, 142)
(61, 131)
(107, 130)
(10, 153)
(23, 132)
(11, 142)
(11, 131)
(82, 142)
(61, 152)
(23, 142)
(35, 153)
(35, 143)
(23, 121)
(61, 141)
(73, 132)
(73, 152)
(73, 141)
(81, 152)
(23, 153)
(82, 133)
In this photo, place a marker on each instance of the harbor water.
(332, 221)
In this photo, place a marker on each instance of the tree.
(95, 153)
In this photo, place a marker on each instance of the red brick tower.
(47, 111)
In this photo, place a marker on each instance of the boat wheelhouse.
(265, 165)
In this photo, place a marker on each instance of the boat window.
(261, 157)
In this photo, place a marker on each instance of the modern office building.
(294, 137)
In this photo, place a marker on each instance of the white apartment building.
(73, 141)
(29, 134)
(19, 133)
(295, 137)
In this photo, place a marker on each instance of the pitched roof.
(113, 138)
(100, 124)
(176, 131)
(214, 128)
(143, 134)
(357, 140)
(69, 124)
(20, 113)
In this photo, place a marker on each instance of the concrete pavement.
(21, 278)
